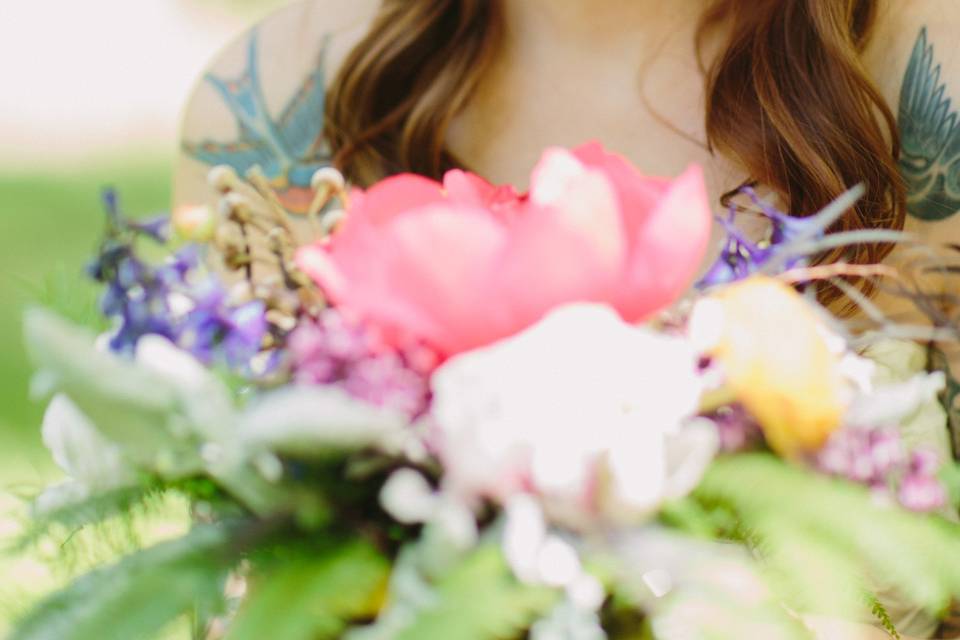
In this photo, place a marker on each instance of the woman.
(797, 96)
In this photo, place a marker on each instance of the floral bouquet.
(454, 411)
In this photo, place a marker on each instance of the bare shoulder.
(914, 58)
(260, 101)
(900, 28)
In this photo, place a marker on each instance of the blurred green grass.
(50, 220)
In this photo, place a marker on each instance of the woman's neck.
(596, 23)
(567, 71)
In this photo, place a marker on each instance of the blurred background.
(90, 95)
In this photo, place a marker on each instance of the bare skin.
(570, 72)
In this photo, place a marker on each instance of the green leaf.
(313, 422)
(160, 416)
(130, 406)
(480, 600)
(312, 598)
(691, 516)
(138, 596)
(817, 531)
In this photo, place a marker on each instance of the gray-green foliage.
(822, 544)
(705, 589)
(134, 408)
(477, 598)
(480, 600)
(172, 425)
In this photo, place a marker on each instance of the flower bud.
(328, 177)
(223, 178)
(195, 223)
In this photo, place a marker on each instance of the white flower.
(78, 448)
(408, 498)
(541, 557)
(891, 404)
(578, 404)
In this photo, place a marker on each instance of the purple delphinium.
(330, 350)
(877, 458)
(214, 328)
(741, 258)
(135, 295)
(139, 294)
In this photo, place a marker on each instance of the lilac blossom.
(877, 458)
(921, 489)
(330, 350)
(736, 428)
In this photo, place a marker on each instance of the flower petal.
(638, 195)
(582, 200)
(395, 196)
(358, 271)
(444, 260)
(470, 189)
(669, 247)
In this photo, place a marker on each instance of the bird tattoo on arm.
(288, 149)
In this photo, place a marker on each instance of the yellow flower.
(774, 350)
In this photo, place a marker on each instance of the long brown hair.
(788, 98)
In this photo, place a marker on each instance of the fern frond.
(318, 594)
(139, 595)
(883, 616)
(829, 538)
(72, 516)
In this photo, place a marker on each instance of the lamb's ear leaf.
(139, 410)
(312, 422)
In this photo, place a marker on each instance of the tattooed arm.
(261, 101)
(930, 134)
(930, 163)
(929, 123)
(915, 59)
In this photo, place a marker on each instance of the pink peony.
(462, 264)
